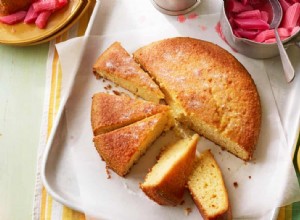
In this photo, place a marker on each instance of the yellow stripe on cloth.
(47, 207)
(285, 213)
(71, 214)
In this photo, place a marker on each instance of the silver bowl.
(251, 48)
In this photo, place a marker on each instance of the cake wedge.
(207, 188)
(109, 112)
(121, 148)
(117, 65)
(165, 183)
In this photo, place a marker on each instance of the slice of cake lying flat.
(116, 65)
(208, 89)
(121, 148)
(207, 188)
(165, 183)
(110, 112)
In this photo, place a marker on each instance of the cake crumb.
(182, 202)
(228, 168)
(187, 211)
(235, 184)
(107, 172)
(116, 92)
(249, 177)
(108, 87)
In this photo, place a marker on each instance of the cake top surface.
(208, 83)
(112, 110)
(118, 61)
(119, 146)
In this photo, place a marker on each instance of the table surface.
(22, 91)
(22, 88)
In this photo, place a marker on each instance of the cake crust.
(109, 112)
(121, 148)
(208, 89)
(117, 65)
(169, 188)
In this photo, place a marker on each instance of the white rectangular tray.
(58, 174)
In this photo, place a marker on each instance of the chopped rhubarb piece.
(42, 19)
(244, 2)
(236, 6)
(265, 35)
(231, 21)
(49, 5)
(254, 14)
(269, 34)
(62, 3)
(13, 18)
(257, 3)
(283, 32)
(265, 16)
(31, 15)
(270, 41)
(252, 24)
(245, 34)
(284, 4)
(291, 16)
(295, 30)
(237, 34)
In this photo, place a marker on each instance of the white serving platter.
(58, 172)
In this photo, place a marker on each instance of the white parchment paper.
(265, 183)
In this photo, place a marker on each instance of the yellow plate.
(79, 14)
(26, 33)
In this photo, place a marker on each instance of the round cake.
(208, 89)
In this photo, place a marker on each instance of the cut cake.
(116, 65)
(109, 112)
(207, 89)
(165, 183)
(207, 188)
(121, 148)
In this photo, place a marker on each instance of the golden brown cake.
(11, 6)
(207, 188)
(165, 183)
(207, 89)
(117, 65)
(110, 112)
(121, 148)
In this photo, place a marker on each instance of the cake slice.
(110, 112)
(165, 183)
(121, 148)
(207, 188)
(116, 65)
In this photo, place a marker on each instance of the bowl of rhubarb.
(245, 25)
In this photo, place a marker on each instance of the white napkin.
(265, 183)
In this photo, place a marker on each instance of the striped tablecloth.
(45, 207)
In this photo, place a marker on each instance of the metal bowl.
(251, 48)
(175, 7)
